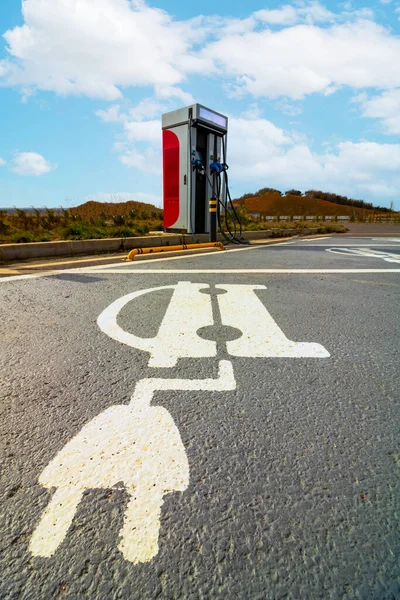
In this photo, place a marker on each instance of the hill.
(107, 210)
(274, 204)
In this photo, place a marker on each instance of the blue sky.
(312, 91)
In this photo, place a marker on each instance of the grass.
(91, 222)
(39, 226)
(322, 226)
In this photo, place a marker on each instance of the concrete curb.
(13, 252)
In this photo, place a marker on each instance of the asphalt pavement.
(223, 426)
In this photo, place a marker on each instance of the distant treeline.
(320, 195)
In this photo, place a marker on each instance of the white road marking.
(33, 276)
(345, 244)
(138, 445)
(127, 265)
(187, 312)
(130, 266)
(201, 254)
(328, 237)
(386, 256)
(241, 271)
(262, 337)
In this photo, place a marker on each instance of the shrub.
(119, 219)
(143, 229)
(3, 226)
(74, 232)
(22, 237)
(267, 190)
(125, 232)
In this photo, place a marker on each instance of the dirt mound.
(106, 210)
(276, 205)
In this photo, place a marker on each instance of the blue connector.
(217, 167)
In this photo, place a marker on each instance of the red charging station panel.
(171, 176)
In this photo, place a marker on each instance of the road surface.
(222, 426)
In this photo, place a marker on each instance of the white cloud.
(31, 163)
(96, 48)
(261, 154)
(169, 92)
(140, 144)
(125, 196)
(147, 160)
(145, 109)
(288, 108)
(111, 114)
(143, 131)
(385, 107)
(289, 15)
(2, 162)
(303, 59)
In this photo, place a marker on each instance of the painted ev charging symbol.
(139, 445)
(190, 310)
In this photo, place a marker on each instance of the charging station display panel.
(212, 117)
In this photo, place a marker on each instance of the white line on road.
(347, 245)
(131, 267)
(127, 265)
(201, 254)
(239, 271)
(328, 237)
(33, 276)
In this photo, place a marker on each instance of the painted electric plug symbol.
(191, 310)
(138, 445)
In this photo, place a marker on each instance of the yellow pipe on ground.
(154, 249)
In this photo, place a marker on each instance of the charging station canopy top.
(199, 114)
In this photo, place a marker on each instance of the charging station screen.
(212, 117)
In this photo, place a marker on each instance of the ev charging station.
(194, 141)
